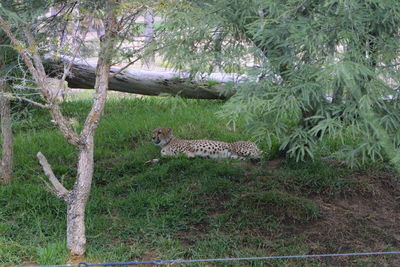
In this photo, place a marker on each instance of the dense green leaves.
(328, 68)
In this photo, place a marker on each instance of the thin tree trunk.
(76, 236)
(149, 35)
(76, 203)
(218, 49)
(6, 135)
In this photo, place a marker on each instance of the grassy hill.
(190, 208)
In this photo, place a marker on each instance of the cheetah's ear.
(169, 130)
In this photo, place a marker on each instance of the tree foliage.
(329, 69)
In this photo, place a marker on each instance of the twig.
(53, 17)
(74, 54)
(32, 102)
(126, 66)
(71, 62)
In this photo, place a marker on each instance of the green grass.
(179, 208)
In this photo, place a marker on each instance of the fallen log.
(144, 82)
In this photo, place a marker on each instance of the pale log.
(145, 82)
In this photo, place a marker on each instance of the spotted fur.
(203, 148)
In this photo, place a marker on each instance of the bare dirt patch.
(366, 218)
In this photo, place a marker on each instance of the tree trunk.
(147, 82)
(6, 135)
(77, 198)
(218, 49)
(149, 35)
(76, 202)
(76, 236)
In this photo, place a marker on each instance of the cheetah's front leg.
(152, 161)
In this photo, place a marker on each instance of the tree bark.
(76, 202)
(6, 135)
(149, 35)
(82, 75)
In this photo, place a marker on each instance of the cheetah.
(203, 148)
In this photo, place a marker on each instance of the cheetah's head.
(161, 136)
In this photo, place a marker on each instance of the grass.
(179, 208)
